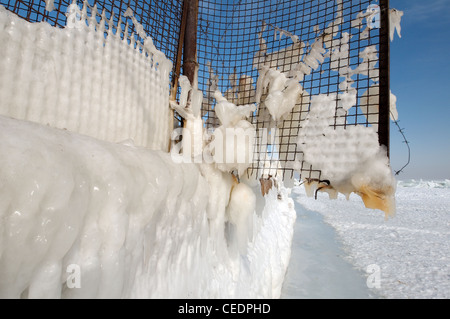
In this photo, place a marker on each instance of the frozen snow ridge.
(83, 218)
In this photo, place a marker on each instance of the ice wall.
(133, 223)
(91, 77)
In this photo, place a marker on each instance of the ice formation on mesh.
(348, 156)
(111, 86)
(131, 220)
(230, 147)
(369, 104)
(49, 5)
(282, 92)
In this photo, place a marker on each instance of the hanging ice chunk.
(74, 17)
(239, 210)
(347, 99)
(283, 93)
(260, 83)
(232, 143)
(315, 56)
(228, 113)
(393, 107)
(49, 5)
(191, 99)
(395, 17)
(185, 86)
(299, 71)
(139, 28)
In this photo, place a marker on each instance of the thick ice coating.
(130, 222)
(350, 158)
(110, 87)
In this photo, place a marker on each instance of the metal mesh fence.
(232, 35)
(161, 20)
(235, 38)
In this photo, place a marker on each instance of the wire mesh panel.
(100, 75)
(301, 54)
(331, 48)
(161, 20)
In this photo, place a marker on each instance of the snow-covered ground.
(406, 256)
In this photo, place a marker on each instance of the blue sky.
(420, 71)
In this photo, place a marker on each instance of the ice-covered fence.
(315, 72)
(100, 75)
(84, 218)
(337, 48)
(283, 56)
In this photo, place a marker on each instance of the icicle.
(84, 15)
(102, 23)
(139, 28)
(395, 18)
(315, 56)
(74, 17)
(393, 107)
(49, 5)
(92, 20)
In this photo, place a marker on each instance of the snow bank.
(92, 219)
(424, 184)
(411, 251)
(91, 77)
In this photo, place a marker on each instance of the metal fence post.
(190, 40)
(384, 65)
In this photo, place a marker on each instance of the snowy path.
(317, 268)
(412, 249)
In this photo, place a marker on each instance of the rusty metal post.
(384, 64)
(181, 34)
(176, 73)
(190, 40)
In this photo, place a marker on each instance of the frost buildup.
(123, 218)
(348, 156)
(90, 77)
(49, 5)
(230, 146)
